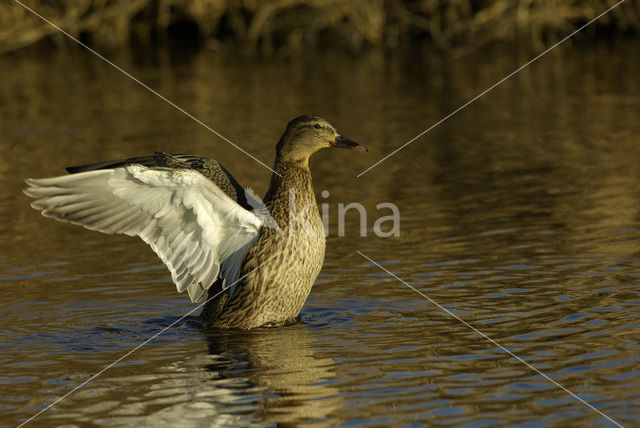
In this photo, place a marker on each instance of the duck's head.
(305, 135)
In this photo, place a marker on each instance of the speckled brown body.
(280, 269)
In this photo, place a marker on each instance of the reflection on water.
(520, 214)
(244, 379)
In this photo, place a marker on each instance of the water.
(520, 215)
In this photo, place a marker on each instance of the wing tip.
(33, 189)
(29, 192)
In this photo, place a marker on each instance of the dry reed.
(293, 25)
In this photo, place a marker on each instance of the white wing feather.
(193, 226)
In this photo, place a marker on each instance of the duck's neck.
(291, 195)
(290, 176)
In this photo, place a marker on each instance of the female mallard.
(252, 267)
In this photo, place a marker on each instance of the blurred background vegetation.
(292, 26)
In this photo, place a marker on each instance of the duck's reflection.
(283, 368)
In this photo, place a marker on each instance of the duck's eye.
(317, 126)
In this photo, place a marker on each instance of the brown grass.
(289, 26)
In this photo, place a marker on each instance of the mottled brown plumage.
(273, 291)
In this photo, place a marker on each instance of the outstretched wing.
(210, 168)
(193, 226)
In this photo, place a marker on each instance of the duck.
(248, 262)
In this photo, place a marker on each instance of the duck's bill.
(346, 143)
